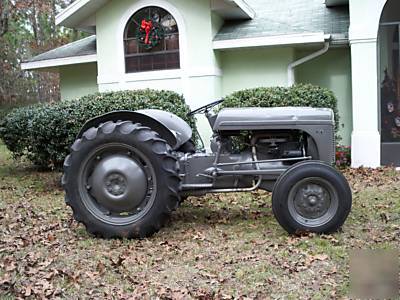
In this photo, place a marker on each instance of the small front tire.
(311, 196)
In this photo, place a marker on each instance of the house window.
(151, 41)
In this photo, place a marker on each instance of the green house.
(205, 49)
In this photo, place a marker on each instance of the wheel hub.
(312, 201)
(118, 183)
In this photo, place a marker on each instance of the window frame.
(175, 64)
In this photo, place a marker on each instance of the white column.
(366, 140)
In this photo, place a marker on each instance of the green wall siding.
(333, 71)
(249, 68)
(78, 80)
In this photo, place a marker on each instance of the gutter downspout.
(291, 76)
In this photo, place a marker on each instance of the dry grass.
(219, 246)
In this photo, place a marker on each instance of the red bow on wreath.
(147, 26)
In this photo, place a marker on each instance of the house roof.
(283, 22)
(288, 18)
(81, 51)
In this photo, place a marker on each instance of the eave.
(79, 14)
(270, 41)
(58, 62)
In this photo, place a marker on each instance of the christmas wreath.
(150, 34)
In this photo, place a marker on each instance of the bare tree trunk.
(53, 19)
(2, 96)
(4, 16)
(34, 22)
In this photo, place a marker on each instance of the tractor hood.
(260, 118)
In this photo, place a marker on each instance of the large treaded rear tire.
(162, 162)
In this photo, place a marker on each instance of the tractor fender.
(170, 127)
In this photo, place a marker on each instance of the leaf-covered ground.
(215, 247)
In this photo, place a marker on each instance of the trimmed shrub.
(305, 95)
(44, 133)
(5, 109)
(301, 95)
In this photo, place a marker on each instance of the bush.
(44, 133)
(5, 109)
(298, 95)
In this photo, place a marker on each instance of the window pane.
(131, 47)
(145, 63)
(172, 42)
(132, 64)
(159, 62)
(130, 31)
(172, 61)
(158, 48)
(169, 24)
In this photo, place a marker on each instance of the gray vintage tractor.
(128, 171)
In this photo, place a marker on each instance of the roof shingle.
(286, 17)
(86, 46)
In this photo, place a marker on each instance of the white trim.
(278, 40)
(205, 72)
(245, 8)
(363, 41)
(59, 62)
(159, 75)
(70, 10)
(141, 76)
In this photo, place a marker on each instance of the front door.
(389, 68)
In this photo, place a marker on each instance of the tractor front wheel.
(311, 196)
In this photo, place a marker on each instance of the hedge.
(44, 133)
(305, 95)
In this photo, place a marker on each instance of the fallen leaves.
(320, 257)
(217, 247)
(362, 178)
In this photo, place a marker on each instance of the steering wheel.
(205, 108)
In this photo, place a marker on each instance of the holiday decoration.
(390, 109)
(150, 34)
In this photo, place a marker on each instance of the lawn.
(219, 246)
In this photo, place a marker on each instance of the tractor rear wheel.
(311, 196)
(121, 180)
